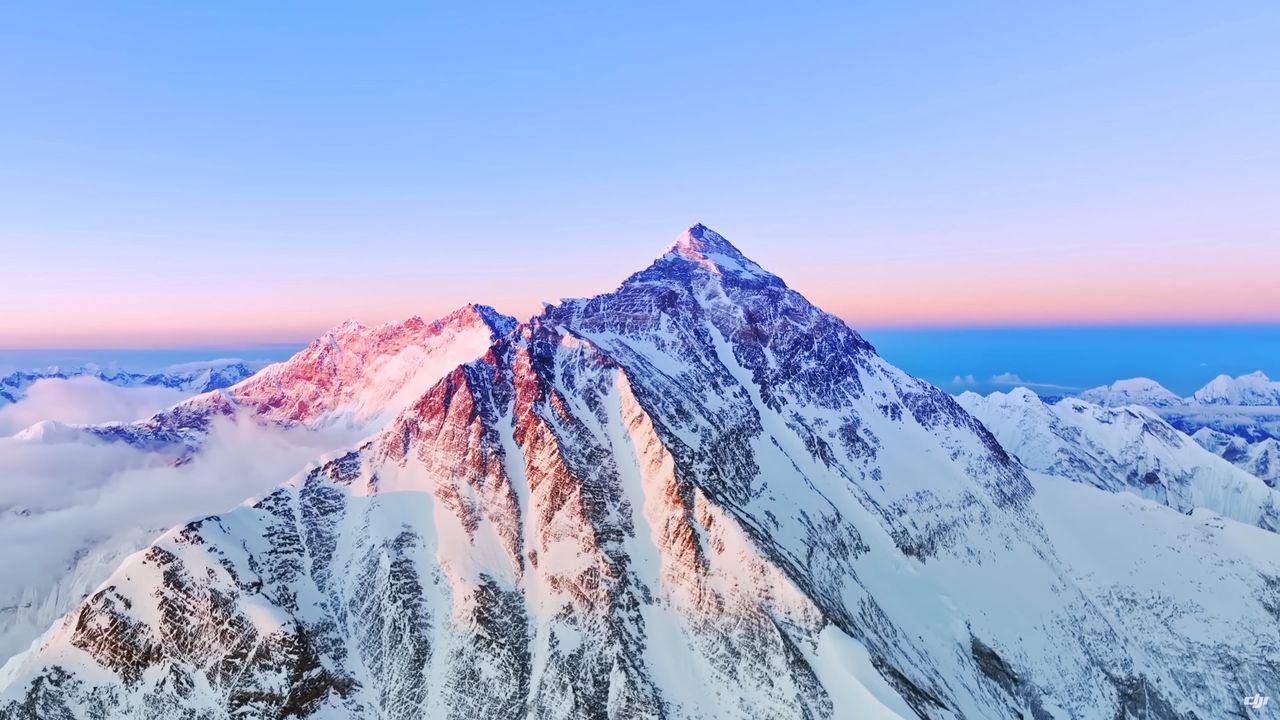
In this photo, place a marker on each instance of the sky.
(245, 173)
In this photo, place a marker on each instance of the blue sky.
(248, 172)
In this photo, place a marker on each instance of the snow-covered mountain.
(1252, 389)
(1134, 391)
(1126, 449)
(194, 378)
(697, 496)
(1237, 418)
(363, 375)
(342, 387)
(353, 376)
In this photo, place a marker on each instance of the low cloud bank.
(61, 503)
(82, 400)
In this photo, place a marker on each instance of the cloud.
(215, 364)
(70, 511)
(1013, 380)
(84, 400)
(964, 380)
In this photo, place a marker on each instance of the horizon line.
(302, 340)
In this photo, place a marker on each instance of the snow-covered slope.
(1126, 449)
(695, 497)
(193, 378)
(208, 452)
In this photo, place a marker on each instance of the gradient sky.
(179, 173)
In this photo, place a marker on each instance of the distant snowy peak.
(1236, 418)
(193, 377)
(1253, 389)
(49, 431)
(1134, 391)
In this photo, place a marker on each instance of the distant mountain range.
(1237, 418)
(697, 496)
(1252, 390)
(195, 377)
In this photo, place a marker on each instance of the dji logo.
(1257, 702)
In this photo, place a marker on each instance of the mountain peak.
(709, 249)
(473, 313)
(1131, 391)
(698, 235)
(1252, 389)
(700, 240)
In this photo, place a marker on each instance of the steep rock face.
(1127, 449)
(695, 497)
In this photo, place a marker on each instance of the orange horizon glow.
(928, 296)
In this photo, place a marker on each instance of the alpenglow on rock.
(697, 496)
(352, 375)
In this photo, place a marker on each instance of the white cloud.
(1014, 380)
(83, 505)
(964, 380)
(84, 400)
(215, 364)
